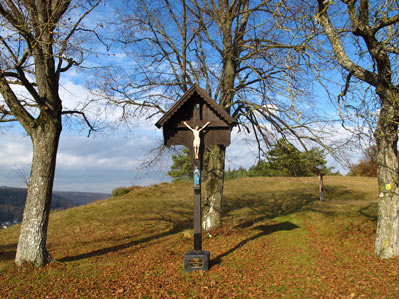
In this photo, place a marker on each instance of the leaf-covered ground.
(277, 240)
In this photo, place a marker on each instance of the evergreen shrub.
(120, 191)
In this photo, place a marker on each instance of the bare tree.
(245, 54)
(363, 36)
(36, 48)
(23, 176)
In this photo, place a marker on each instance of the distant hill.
(12, 201)
(81, 198)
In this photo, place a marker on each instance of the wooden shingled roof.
(186, 97)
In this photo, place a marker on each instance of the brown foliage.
(368, 165)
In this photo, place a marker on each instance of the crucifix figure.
(197, 139)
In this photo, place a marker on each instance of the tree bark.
(32, 239)
(212, 212)
(386, 135)
(212, 209)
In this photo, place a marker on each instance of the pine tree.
(181, 169)
(284, 159)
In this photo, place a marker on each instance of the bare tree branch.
(338, 48)
(88, 123)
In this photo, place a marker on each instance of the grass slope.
(277, 240)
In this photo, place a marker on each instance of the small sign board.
(196, 261)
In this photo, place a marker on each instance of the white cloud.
(104, 162)
(14, 153)
(99, 163)
(83, 164)
(242, 151)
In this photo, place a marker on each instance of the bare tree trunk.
(374, 34)
(386, 135)
(212, 210)
(32, 239)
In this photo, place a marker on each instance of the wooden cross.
(196, 121)
(198, 152)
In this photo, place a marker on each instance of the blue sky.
(114, 156)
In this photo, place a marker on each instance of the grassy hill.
(277, 240)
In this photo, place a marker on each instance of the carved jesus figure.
(197, 139)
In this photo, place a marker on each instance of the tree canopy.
(283, 159)
(181, 168)
(367, 166)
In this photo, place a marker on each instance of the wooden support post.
(197, 259)
(197, 181)
(197, 207)
(321, 187)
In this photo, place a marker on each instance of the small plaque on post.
(196, 260)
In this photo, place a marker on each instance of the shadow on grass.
(184, 222)
(180, 217)
(341, 201)
(264, 231)
(264, 206)
(7, 252)
(370, 211)
(115, 248)
(249, 208)
(332, 193)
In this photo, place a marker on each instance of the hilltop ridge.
(277, 239)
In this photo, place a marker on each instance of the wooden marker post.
(196, 121)
(197, 259)
(197, 209)
(321, 187)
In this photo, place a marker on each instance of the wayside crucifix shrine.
(197, 122)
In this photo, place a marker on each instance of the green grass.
(277, 240)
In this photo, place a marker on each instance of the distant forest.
(12, 201)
